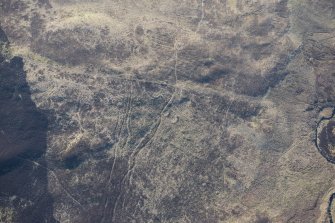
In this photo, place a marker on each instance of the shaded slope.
(24, 193)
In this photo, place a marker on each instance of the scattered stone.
(327, 113)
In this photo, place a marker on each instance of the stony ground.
(173, 111)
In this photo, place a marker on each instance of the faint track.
(127, 120)
(115, 154)
(59, 182)
(145, 140)
(202, 15)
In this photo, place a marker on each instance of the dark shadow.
(24, 195)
